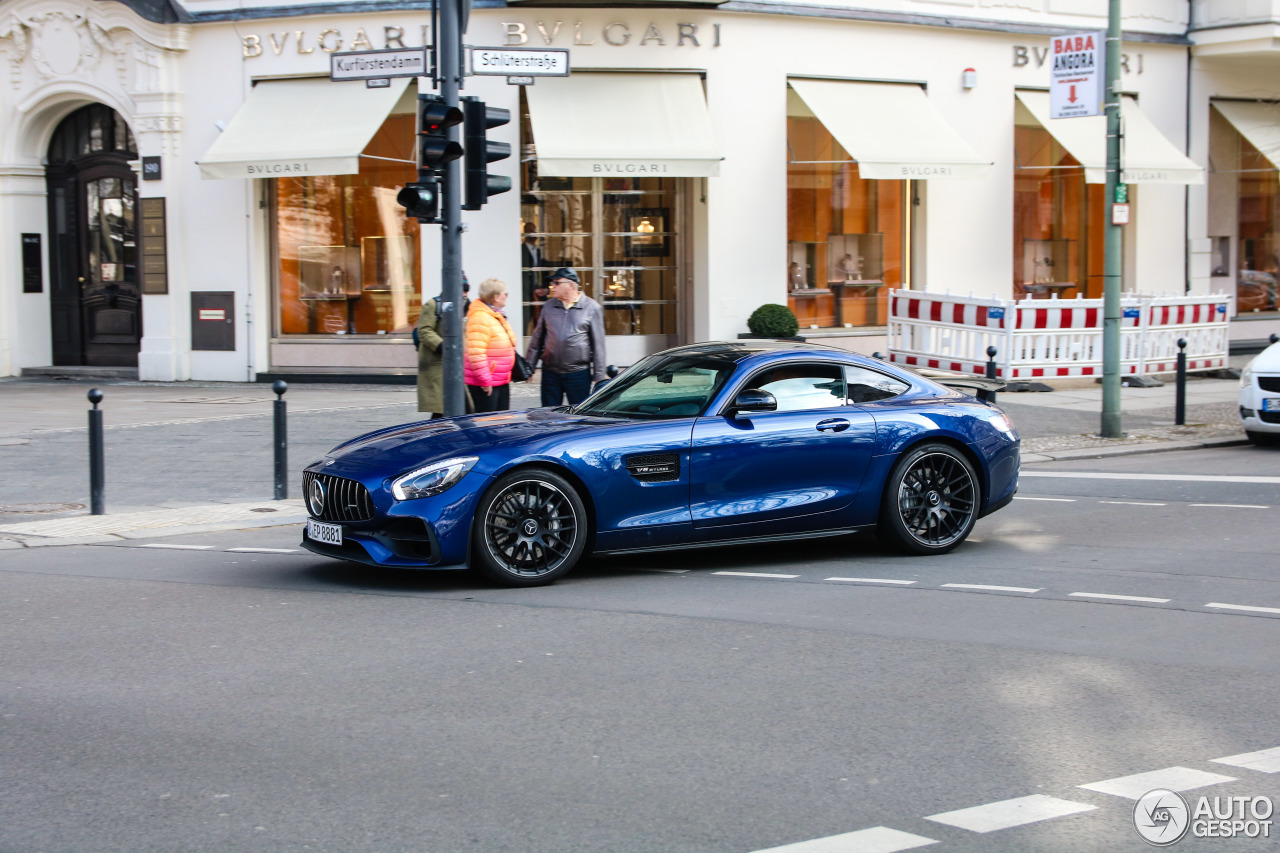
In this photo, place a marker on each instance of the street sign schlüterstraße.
(525, 62)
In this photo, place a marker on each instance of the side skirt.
(746, 540)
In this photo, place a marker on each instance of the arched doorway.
(96, 309)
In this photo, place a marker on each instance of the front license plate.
(330, 534)
(1271, 404)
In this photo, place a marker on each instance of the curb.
(1131, 450)
(149, 524)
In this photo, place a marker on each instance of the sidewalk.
(187, 457)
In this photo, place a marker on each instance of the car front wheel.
(530, 529)
(931, 500)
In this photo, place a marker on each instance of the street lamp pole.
(1112, 246)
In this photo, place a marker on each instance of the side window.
(802, 386)
(867, 386)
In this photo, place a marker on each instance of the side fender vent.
(655, 468)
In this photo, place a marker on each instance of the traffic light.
(421, 199)
(480, 152)
(436, 119)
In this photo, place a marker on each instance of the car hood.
(403, 447)
(1267, 361)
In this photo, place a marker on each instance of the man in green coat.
(430, 361)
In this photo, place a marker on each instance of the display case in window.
(386, 263)
(855, 258)
(1046, 268)
(802, 263)
(329, 272)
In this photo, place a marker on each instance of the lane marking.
(877, 839)
(1119, 597)
(178, 547)
(669, 571)
(1008, 813)
(1055, 500)
(872, 580)
(1244, 607)
(1131, 503)
(1177, 478)
(1234, 506)
(1173, 778)
(755, 575)
(985, 586)
(262, 550)
(1264, 761)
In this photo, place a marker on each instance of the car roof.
(739, 350)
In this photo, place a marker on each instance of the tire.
(530, 529)
(1263, 439)
(931, 500)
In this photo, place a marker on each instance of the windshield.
(661, 387)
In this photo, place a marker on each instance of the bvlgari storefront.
(696, 164)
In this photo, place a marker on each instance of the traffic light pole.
(449, 69)
(1112, 261)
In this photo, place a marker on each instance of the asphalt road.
(202, 698)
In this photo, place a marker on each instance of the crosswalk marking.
(177, 547)
(1172, 778)
(1264, 761)
(1119, 597)
(988, 587)
(877, 839)
(262, 550)
(756, 575)
(1007, 813)
(1245, 607)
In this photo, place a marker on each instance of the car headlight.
(1246, 377)
(1001, 421)
(432, 479)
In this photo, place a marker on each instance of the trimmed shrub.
(773, 321)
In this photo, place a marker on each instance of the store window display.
(846, 236)
(347, 258)
(1057, 220)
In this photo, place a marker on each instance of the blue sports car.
(716, 443)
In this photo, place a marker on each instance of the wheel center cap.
(933, 498)
(529, 526)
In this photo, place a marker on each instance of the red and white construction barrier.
(1041, 338)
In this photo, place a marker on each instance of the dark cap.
(563, 272)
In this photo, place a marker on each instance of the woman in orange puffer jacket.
(490, 349)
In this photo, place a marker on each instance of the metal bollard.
(281, 440)
(97, 465)
(1274, 337)
(1180, 398)
(878, 356)
(992, 371)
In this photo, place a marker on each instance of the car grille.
(1270, 417)
(344, 500)
(1269, 383)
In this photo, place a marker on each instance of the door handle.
(833, 425)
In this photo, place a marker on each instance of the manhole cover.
(35, 509)
(263, 509)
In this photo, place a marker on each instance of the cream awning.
(1147, 157)
(1258, 123)
(633, 125)
(292, 128)
(891, 129)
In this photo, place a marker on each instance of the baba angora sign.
(1076, 76)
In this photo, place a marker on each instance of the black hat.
(563, 272)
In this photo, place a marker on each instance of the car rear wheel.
(530, 529)
(931, 500)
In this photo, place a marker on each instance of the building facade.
(182, 187)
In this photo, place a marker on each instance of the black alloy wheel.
(931, 500)
(530, 529)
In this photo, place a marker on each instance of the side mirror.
(751, 401)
